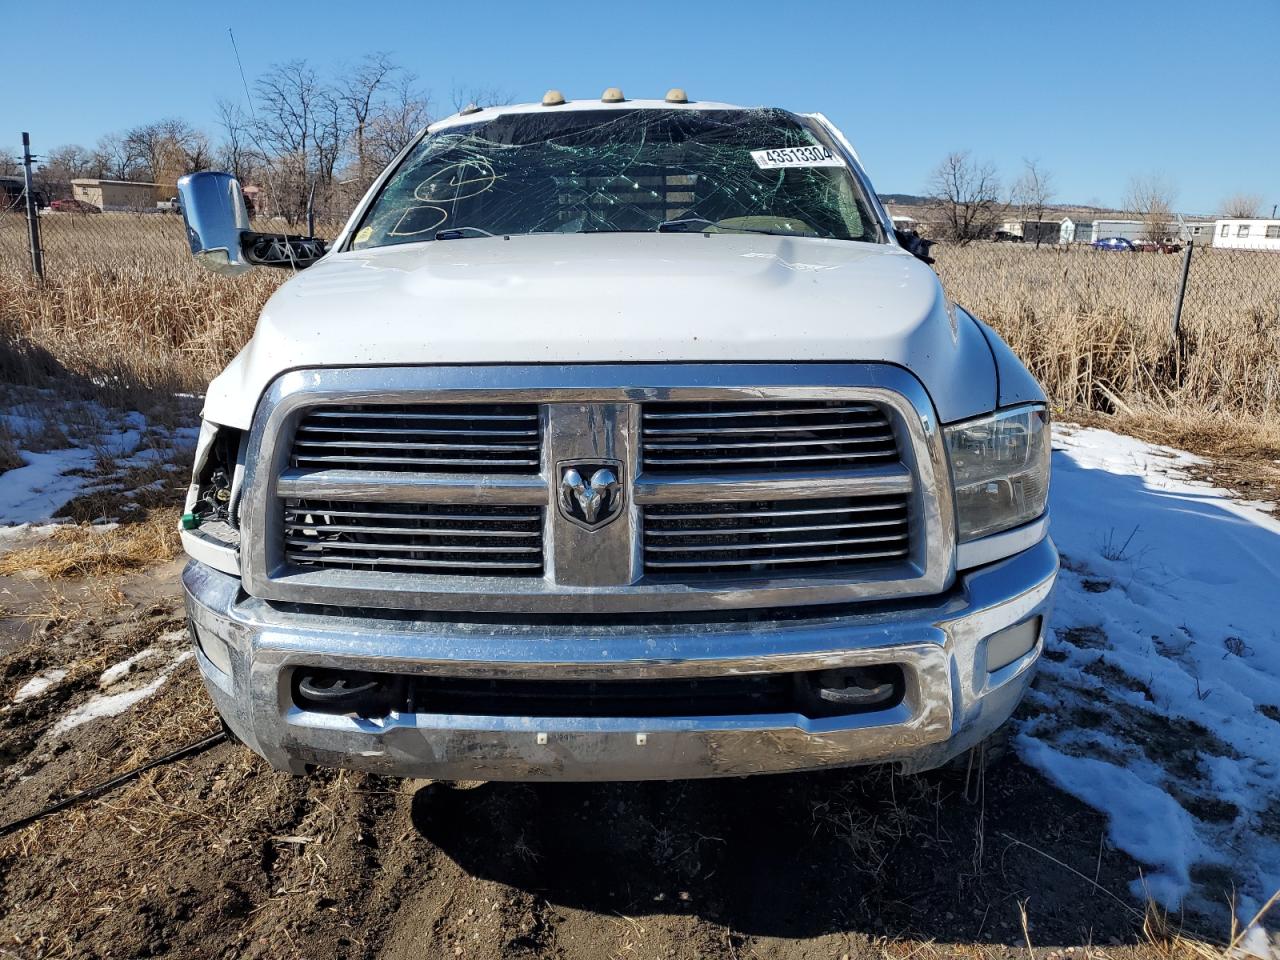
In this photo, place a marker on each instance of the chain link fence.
(988, 278)
(73, 238)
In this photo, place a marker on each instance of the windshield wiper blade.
(457, 233)
(678, 226)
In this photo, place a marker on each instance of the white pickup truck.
(613, 439)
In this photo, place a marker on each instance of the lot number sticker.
(795, 157)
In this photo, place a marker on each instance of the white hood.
(580, 298)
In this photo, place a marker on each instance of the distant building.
(1251, 234)
(119, 194)
(1090, 231)
(1075, 231)
(1201, 231)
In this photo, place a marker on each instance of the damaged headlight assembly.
(999, 469)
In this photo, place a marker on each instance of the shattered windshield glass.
(614, 171)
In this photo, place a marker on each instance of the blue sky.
(1097, 91)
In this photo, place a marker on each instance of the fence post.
(33, 212)
(1182, 291)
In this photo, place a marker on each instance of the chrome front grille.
(468, 540)
(422, 437)
(738, 486)
(761, 537)
(718, 437)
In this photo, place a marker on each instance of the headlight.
(1000, 469)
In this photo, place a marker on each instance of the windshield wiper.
(678, 226)
(457, 233)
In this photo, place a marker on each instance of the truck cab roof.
(489, 113)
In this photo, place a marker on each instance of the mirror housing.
(215, 214)
(217, 222)
(914, 244)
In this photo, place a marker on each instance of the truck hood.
(575, 298)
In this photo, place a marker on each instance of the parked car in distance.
(1114, 243)
(68, 205)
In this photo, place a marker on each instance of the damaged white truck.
(613, 439)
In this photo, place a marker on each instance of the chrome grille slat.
(878, 424)
(737, 436)
(825, 442)
(417, 415)
(801, 529)
(434, 517)
(380, 546)
(702, 461)
(421, 437)
(772, 544)
(798, 411)
(302, 460)
(822, 559)
(410, 445)
(427, 431)
(434, 531)
(383, 564)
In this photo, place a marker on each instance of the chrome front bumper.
(951, 703)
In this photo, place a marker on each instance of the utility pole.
(33, 212)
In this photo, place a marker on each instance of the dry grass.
(1096, 328)
(83, 550)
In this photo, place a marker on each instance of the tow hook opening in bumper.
(813, 694)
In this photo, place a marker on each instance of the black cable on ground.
(189, 750)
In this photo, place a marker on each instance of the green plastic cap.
(190, 521)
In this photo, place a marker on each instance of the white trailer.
(1247, 234)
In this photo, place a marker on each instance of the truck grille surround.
(710, 486)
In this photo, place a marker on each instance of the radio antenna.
(243, 82)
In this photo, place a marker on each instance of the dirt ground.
(218, 856)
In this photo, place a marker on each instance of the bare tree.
(166, 149)
(63, 164)
(300, 128)
(1032, 193)
(466, 94)
(10, 166)
(236, 154)
(115, 158)
(402, 115)
(1150, 198)
(1241, 206)
(359, 95)
(968, 194)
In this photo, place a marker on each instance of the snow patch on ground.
(39, 684)
(110, 705)
(117, 672)
(37, 490)
(1158, 700)
(73, 447)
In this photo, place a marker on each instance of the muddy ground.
(219, 856)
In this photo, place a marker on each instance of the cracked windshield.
(623, 171)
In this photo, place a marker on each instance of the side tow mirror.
(217, 222)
